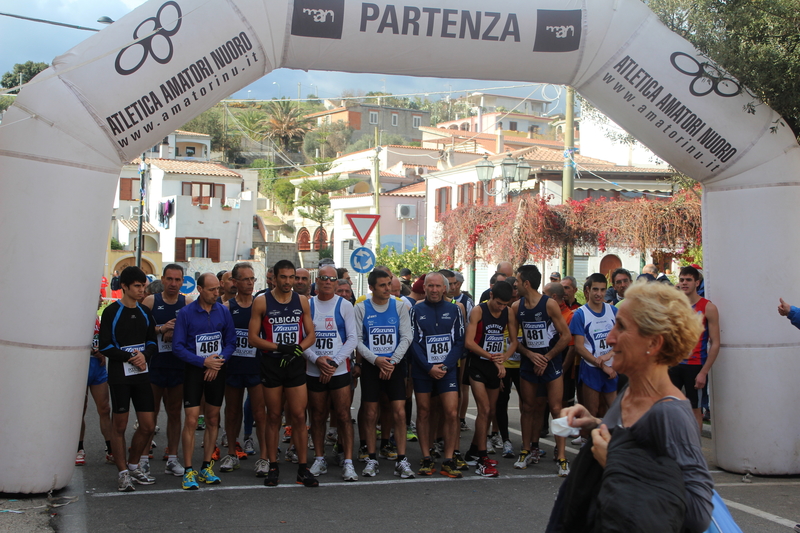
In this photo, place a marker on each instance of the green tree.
(285, 124)
(755, 40)
(251, 122)
(329, 139)
(446, 109)
(28, 70)
(315, 196)
(283, 191)
(5, 102)
(267, 177)
(223, 138)
(419, 262)
(368, 141)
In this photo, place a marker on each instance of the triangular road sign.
(363, 225)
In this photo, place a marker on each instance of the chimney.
(500, 148)
(163, 149)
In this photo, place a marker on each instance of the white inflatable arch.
(119, 92)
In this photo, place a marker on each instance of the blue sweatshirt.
(436, 326)
(199, 333)
(794, 316)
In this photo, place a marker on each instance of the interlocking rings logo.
(154, 28)
(707, 78)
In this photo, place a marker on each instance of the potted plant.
(203, 206)
(226, 207)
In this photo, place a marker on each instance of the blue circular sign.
(188, 285)
(362, 260)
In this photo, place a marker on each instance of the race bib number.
(534, 334)
(325, 343)
(494, 344)
(163, 346)
(382, 340)
(438, 347)
(129, 369)
(96, 342)
(601, 346)
(208, 344)
(243, 348)
(286, 334)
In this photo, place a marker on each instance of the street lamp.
(279, 87)
(73, 26)
(511, 171)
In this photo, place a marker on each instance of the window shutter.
(126, 189)
(449, 201)
(213, 250)
(186, 188)
(180, 250)
(437, 210)
(491, 199)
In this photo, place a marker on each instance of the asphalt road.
(518, 499)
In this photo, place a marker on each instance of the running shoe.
(338, 457)
(174, 468)
(363, 454)
(403, 469)
(291, 455)
(332, 436)
(144, 466)
(349, 472)
(371, 470)
(208, 476)
(229, 463)
(580, 441)
(216, 455)
(165, 457)
(436, 451)
(523, 461)
(153, 446)
(272, 477)
(307, 480)
(310, 441)
(489, 445)
(201, 423)
(262, 467)
(287, 434)
(497, 441)
(190, 480)
(157, 429)
(80, 458)
(426, 468)
(411, 435)
(141, 478)
(224, 439)
(109, 459)
(536, 454)
(464, 426)
(319, 467)
(387, 452)
(470, 459)
(124, 483)
(249, 446)
(484, 469)
(563, 468)
(449, 469)
(461, 464)
(508, 450)
(240, 453)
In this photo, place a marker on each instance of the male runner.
(692, 373)
(489, 325)
(438, 342)
(383, 330)
(204, 338)
(541, 359)
(281, 327)
(328, 370)
(590, 326)
(243, 372)
(128, 339)
(166, 370)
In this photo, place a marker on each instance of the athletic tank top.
(490, 331)
(330, 332)
(594, 328)
(535, 325)
(700, 352)
(163, 313)
(381, 330)
(245, 357)
(282, 323)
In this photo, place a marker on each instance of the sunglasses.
(327, 278)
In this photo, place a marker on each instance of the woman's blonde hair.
(660, 309)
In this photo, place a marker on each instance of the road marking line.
(322, 485)
(757, 484)
(761, 514)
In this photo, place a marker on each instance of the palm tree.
(285, 123)
(252, 122)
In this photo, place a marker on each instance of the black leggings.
(501, 411)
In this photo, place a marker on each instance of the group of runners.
(299, 358)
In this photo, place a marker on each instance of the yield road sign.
(363, 225)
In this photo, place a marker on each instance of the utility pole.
(568, 176)
(377, 170)
(143, 175)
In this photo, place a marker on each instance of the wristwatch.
(444, 367)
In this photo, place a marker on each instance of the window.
(395, 119)
(512, 125)
(416, 121)
(320, 239)
(195, 247)
(190, 151)
(465, 194)
(303, 240)
(129, 189)
(202, 193)
(442, 202)
(373, 117)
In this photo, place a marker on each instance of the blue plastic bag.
(721, 519)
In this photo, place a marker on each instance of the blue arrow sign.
(188, 285)
(362, 260)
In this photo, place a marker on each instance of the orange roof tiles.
(198, 168)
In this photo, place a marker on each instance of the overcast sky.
(22, 40)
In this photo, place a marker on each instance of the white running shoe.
(229, 463)
(291, 455)
(349, 472)
(580, 441)
(490, 446)
(319, 467)
(331, 436)
(497, 441)
(403, 469)
(141, 478)
(223, 440)
(563, 468)
(174, 468)
(262, 467)
(249, 447)
(124, 483)
(371, 470)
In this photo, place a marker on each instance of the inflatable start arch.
(122, 90)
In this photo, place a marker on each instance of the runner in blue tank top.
(166, 370)
(541, 356)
